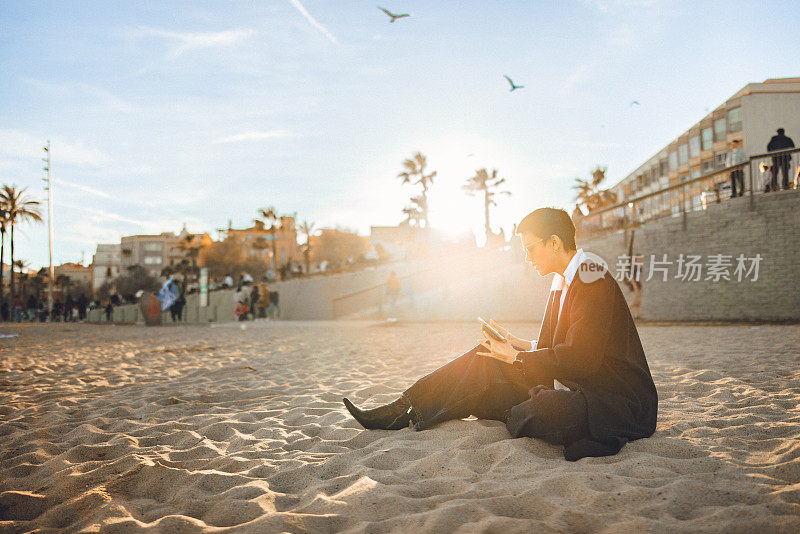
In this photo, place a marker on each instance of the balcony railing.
(694, 194)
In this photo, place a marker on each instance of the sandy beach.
(201, 429)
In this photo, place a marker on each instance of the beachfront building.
(257, 241)
(698, 156)
(77, 273)
(337, 246)
(153, 252)
(105, 264)
(393, 241)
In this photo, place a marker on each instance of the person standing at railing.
(734, 157)
(780, 163)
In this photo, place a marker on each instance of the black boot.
(392, 416)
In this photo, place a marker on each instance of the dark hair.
(545, 222)
(780, 131)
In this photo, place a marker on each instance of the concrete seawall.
(720, 234)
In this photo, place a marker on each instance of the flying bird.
(512, 84)
(635, 103)
(394, 17)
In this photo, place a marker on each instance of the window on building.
(152, 246)
(707, 167)
(252, 252)
(694, 146)
(707, 138)
(693, 173)
(735, 120)
(719, 160)
(719, 130)
(663, 168)
(673, 161)
(683, 154)
(152, 260)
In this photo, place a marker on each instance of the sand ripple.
(189, 429)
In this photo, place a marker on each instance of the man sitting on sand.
(584, 383)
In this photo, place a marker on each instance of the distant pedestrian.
(18, 309)
(109, 311)
(32, 306)
(735, 156)
(227, 281)
(82, 303)
(240, 311)
(780, 163)
(274, 303)
(254, 296)
(68, 305)
(176, 309)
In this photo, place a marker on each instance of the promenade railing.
(694, 194)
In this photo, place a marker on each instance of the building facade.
(105, 264)
(751, 116)
(77, 273)
(257, 241)
(153, 252)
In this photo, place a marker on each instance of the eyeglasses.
(527, 248)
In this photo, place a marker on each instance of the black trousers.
(490, 389)
(780, 163)
(737, 178)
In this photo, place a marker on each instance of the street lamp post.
(49, 189)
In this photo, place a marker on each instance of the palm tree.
(3, 223)
(415, 173)
(482, 182)
(307, 228)
(21, 265)
(415, 212)
(270, 215)
(589, 193)
(19, 208)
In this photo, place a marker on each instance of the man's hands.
(498, 350)
(516, 342)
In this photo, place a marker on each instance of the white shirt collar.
(560, 281)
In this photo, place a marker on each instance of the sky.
(165, 114)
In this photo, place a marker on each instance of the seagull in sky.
(512, 84)
(635, 103)
(394, 17)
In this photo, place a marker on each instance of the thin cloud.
(313, 21)
(22, 145)
(249, 136)
(191, 41)
(81, 187)
(148, 226)
(66, 90)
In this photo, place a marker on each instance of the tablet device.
(491, 331)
